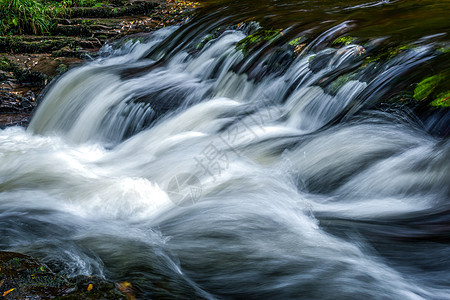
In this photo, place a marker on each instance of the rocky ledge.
(29, 62)
(24, 277)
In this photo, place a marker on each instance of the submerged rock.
(259, 37)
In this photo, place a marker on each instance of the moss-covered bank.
(24, 277)
(30, 60)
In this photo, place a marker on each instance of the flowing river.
(194, 162)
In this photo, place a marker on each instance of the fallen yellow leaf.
(125, 284)
(8, 291)
(127, 289)
(90, 287)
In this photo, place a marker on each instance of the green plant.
(24, 16)
(36, 16)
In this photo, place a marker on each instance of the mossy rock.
(204, 41)
(134, 8)
(403, 97)
(425, 87)
(386, 54)
(442, 100)
(337, 84)
(434, 90)
(431, 91)
(214, 35)
(343, 41)
(298, 44)
(92, 288)
(70, 52)
(34, 45)
(73, 30)
(6, 64)
(443, 50)
(24, 277)
(261, 36)
(20, 75)
(297, 41)
(136, 38)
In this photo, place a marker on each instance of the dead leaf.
(127, 289)
(8, 291)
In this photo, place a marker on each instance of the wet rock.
(73, 30)
(24, 277)
(343, 41)
(30, 62)
(70, 52)
(133, 8)
(259, 37)
(35, 44)
(15, 108)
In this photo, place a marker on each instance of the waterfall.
(193, 169)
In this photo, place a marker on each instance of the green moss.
(426, 87)
(403, 97)
(6, 64)
(27, 278)
(341, 81)
(24, 45)
(260, 36)
(393, 52)
(62, 68)
(204, 41)
(444, 49)
(442, 100)
(297, 41)
(388, 53)
(102, 37)
(344, 40)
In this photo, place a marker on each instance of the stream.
(197, 162)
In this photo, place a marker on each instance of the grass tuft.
(36, 16)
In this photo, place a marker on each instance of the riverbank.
(27, 65)
(24, 277)
(29, 62)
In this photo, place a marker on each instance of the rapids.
(191, 169)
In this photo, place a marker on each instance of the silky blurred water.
(205, 172)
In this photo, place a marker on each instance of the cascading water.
(195, 169)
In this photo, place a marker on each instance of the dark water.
(195, 168)
(402, 21)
